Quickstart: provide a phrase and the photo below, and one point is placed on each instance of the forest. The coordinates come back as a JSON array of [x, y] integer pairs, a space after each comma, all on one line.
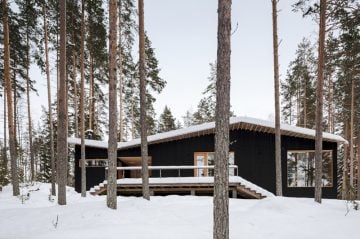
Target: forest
[[103, 77], [38, 21], [34, 39]]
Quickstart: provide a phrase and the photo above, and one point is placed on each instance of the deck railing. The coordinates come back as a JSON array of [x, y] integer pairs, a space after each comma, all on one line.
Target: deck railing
[[178, 168]]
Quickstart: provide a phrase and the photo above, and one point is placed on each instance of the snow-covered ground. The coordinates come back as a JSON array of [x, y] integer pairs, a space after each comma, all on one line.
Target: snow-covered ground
[[170, 217]]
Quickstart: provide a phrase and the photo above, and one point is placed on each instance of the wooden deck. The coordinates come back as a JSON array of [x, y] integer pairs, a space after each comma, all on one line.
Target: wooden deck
[[236, 189]]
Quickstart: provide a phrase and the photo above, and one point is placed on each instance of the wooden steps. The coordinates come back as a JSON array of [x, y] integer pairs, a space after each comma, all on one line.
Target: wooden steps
[[236, 189]]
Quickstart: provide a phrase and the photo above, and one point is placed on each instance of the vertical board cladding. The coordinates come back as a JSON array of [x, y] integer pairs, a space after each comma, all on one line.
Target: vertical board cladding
[[254, 155], [94, 175]]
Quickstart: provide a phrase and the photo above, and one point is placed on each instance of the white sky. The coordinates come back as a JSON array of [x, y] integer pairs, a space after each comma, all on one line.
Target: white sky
[[183, 34]]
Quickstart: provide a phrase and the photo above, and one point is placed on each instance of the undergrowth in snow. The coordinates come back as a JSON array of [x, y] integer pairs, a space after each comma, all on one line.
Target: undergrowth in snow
[[167, 217]]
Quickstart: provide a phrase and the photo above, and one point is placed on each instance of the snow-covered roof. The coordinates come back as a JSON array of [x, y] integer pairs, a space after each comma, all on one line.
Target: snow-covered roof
[[246, 123]]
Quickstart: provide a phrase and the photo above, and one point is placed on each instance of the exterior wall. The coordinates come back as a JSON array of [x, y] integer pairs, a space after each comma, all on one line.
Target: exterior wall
[[254, 155], [94, 175]]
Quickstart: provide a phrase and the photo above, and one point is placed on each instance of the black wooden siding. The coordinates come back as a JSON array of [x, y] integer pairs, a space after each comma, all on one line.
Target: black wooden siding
[[94, 175], [254, 155]]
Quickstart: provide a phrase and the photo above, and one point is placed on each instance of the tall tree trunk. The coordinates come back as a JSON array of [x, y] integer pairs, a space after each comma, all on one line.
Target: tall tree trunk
[[298, 123], [345, 161], [358, 168], [143, 122], [331, 106], [305, 105], [121, 115], [75, 96], [67, 102], [47, 68], [15, 109], [319, 104], [57, 59], [132, 121], [62, 152], [352, 111], [92, 107], [32, 170], [82, 101], [14, 173], [277, 101], [290, 109], [112, 148], [222, 115], [5, 134]]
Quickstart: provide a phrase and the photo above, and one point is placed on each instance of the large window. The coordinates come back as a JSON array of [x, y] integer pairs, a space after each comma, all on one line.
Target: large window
[[301, 168], [208, 159]]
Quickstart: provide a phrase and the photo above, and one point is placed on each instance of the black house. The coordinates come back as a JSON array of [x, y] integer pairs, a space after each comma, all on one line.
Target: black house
[[252, 150]]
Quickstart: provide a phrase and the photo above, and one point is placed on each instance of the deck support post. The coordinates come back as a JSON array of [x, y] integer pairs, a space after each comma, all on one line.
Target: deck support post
[[151, 193], [234, 193], [192, 192]]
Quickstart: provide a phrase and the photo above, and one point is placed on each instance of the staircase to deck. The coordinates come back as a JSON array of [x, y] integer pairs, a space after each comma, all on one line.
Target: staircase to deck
[[238, 187]]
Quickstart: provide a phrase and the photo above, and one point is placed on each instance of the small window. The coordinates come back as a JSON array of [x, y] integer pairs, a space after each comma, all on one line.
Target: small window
[[208, 159], [95, 163], [301, 168]]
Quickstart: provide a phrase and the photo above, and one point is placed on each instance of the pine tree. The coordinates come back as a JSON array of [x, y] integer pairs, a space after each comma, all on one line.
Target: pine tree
[[298, 89], [4, 161], [44, 143], [14, 174], [127, 76], [120, 69], [82, 100], [342, 57], [358, 167], [130, 103], [319, 103], [345, 93], [73, 48], [62, 152], [331, 55], [206, 107], [143, 105], [277, 102], [48, 81], [221, 175], [96, 47], [188, 119], [166, 121], [29, 15], [112, 148]]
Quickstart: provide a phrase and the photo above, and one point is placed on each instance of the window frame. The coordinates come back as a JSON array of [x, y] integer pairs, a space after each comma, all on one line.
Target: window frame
[[310, 151]]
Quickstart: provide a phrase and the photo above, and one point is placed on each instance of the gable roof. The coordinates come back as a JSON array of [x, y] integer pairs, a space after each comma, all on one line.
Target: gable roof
[[245, 123]]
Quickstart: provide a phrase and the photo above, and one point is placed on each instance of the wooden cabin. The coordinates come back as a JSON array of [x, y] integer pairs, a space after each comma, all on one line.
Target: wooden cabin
[[252, 154]]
